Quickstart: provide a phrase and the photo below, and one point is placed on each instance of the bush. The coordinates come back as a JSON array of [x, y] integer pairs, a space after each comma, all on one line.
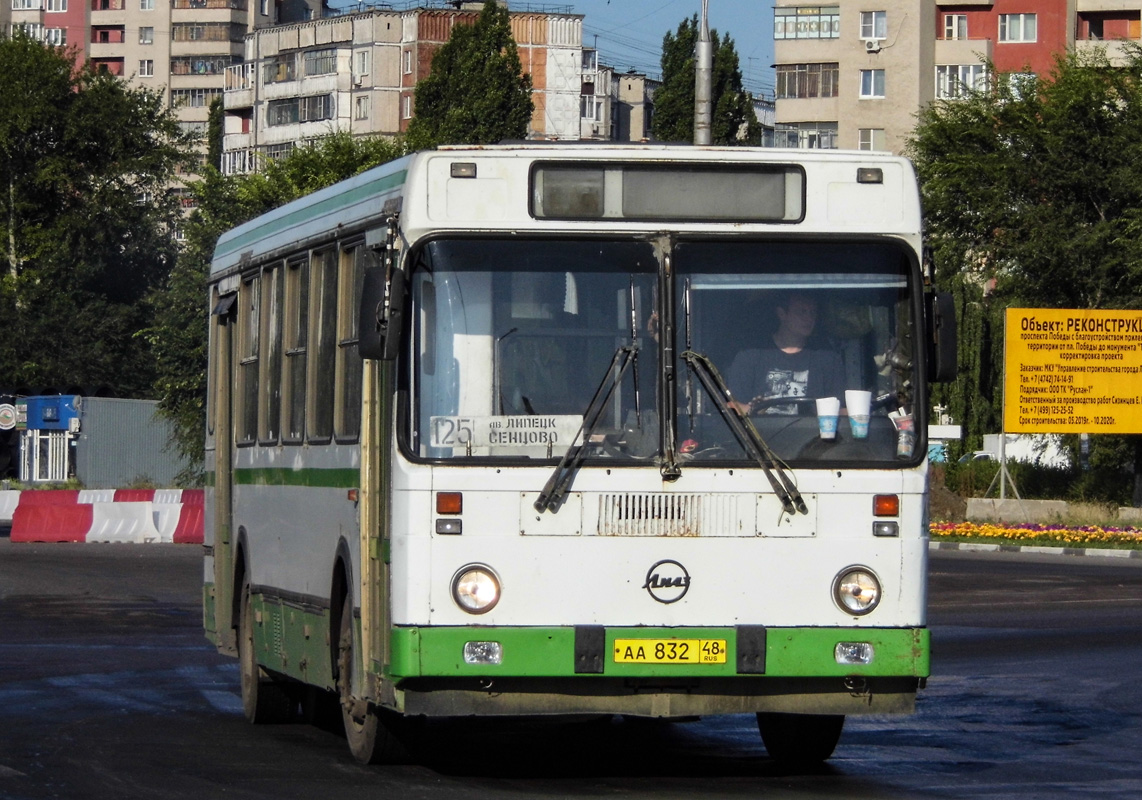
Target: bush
[[1035, 481]]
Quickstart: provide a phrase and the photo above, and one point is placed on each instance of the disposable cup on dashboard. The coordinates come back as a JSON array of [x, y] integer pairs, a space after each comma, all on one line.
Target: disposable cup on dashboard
[[858, 404], [828, 410]]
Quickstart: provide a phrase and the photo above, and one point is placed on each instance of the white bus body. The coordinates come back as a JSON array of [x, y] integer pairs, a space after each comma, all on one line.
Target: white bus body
[[374, 527]]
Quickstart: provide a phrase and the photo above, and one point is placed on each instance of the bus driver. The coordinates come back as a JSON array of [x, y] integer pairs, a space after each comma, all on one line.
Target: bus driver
[[789, 366]]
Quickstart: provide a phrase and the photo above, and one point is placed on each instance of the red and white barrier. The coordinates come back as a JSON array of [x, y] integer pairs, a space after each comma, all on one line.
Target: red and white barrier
[[104, 515]]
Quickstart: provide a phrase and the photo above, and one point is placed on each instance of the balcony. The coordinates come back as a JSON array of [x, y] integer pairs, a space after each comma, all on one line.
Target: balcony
[[1116, 49], [963, 51]]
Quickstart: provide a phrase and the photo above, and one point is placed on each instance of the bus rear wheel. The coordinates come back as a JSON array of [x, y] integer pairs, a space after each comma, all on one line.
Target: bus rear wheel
[[264, 700], [370, 739], [800, 739]]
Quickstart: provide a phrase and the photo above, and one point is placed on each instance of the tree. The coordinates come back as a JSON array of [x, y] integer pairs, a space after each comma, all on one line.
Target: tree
[[476, 92], [87, 166], [178, 339], [733, 120], [1032, 193]]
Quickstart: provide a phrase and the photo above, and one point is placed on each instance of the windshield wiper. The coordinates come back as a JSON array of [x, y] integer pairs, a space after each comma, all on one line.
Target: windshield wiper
[[556, 488], [745, 432]]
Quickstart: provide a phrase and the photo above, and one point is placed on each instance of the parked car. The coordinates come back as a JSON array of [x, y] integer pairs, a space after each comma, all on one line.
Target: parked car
[[978, 455]]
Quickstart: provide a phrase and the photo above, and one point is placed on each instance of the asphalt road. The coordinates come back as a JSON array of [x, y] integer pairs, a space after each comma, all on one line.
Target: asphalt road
[[109, 690]]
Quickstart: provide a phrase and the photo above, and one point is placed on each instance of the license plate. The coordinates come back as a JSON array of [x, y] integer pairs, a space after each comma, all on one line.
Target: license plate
[[670, 651]]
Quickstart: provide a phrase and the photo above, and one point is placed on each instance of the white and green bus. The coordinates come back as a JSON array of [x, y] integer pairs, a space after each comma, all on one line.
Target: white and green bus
[[475, 446]]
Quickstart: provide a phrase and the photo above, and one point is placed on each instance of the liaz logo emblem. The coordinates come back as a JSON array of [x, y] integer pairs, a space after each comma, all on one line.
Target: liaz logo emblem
[[667, 581]]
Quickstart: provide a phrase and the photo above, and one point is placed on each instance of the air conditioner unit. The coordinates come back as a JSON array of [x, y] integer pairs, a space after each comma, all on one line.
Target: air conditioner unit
[[358, 80], [872, 45]]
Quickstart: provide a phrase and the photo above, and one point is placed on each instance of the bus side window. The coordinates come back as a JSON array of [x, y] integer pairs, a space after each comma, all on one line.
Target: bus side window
[[297, 335], [347, 419], [246, 427], [323, 330], [269, 410]]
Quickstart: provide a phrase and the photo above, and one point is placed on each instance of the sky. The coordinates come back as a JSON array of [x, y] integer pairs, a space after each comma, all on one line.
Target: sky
[[628, 33]]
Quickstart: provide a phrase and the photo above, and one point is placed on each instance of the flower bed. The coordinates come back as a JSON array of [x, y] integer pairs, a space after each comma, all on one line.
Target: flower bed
[[1036, 534]]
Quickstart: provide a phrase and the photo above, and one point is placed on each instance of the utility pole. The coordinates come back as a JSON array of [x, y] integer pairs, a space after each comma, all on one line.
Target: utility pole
[[703, 81]]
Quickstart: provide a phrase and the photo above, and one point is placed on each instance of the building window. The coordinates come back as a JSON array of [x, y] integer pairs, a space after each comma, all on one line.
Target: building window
[[55, 36], [955, 26], [299, 109], [872, 83], [53, 5], [200, 65], [361, 107], [807, 80], [264, 8], [27, 5], [1017, 28], [320, 62], [591, 107], [193, 98], [806, 135], [874, 24], [407, 60], [361, 63], [406, 103], [279, 68], [146, 5], [146, 68], [795, 22], [958, 80], [870, 139], [146, 35]]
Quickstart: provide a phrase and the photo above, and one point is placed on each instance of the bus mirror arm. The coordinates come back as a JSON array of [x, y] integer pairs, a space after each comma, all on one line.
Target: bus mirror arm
[[940, 321], [381, 313]]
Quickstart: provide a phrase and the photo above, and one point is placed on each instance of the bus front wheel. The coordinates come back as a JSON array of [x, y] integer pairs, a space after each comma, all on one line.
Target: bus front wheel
[[370, 739], [800, 739], [264, 700]]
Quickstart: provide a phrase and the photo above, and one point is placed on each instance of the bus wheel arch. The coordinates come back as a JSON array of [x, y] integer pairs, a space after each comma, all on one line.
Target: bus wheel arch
[[265, 699]]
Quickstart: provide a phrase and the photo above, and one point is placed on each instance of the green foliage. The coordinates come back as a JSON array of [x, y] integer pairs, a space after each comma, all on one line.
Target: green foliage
[[1032, 194], [476, 92], [86, 168], [178, 340], [733, 120]]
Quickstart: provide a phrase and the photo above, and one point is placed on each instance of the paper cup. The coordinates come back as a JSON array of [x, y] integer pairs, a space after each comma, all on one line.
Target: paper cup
[[828, 410], [858, 403]]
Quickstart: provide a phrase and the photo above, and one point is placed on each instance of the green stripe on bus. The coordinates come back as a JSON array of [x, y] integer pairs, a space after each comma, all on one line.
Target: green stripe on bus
[[550, 652], [382, 184], [314, 478]]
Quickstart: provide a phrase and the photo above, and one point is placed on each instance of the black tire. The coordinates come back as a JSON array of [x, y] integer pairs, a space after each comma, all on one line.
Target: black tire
[[800, 740], [264, 700], [371, 739]]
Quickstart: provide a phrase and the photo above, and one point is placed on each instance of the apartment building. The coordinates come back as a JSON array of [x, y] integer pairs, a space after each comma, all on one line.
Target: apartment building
[[853, 75], [179, 47], [358, 73]]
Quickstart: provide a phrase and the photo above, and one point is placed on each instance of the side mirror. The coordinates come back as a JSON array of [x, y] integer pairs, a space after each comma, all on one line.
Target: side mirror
[[940, 318], [381, 314]]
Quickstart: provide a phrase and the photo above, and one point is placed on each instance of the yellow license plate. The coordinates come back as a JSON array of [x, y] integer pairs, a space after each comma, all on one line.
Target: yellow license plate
[[670, 651]]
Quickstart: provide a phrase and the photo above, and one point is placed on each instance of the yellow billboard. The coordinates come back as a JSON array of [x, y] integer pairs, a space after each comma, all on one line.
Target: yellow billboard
[[1072, 371]]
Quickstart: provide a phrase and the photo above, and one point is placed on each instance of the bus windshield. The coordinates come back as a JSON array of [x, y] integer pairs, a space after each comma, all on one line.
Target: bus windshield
[[512, 339], [785, 323]]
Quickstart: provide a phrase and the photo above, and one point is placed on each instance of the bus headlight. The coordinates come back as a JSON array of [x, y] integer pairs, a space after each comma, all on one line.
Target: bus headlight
[[476, 588], [856, 590]]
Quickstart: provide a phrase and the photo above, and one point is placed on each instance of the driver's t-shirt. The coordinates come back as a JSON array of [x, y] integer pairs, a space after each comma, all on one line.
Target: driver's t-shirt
[[770, 372]]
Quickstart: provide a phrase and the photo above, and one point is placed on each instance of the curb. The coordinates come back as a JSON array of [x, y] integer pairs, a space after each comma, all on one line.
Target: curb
[[1098, 552]]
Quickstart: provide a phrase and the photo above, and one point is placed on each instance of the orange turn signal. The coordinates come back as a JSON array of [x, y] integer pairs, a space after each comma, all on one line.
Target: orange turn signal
[[886, 505], [449, 502]]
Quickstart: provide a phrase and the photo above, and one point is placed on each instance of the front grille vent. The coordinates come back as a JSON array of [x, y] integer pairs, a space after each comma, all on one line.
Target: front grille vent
[[666, 514]]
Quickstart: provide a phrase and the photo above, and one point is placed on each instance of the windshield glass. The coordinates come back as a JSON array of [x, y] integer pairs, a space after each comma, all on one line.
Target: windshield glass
[[511, 340], [787, 323]]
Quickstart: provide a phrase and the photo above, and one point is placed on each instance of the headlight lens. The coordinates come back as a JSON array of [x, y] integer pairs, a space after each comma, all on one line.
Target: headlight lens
[[476, 589], [856, 590]]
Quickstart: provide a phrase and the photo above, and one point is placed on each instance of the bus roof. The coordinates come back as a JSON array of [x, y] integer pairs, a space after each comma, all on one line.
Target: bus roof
[[363, 201]]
